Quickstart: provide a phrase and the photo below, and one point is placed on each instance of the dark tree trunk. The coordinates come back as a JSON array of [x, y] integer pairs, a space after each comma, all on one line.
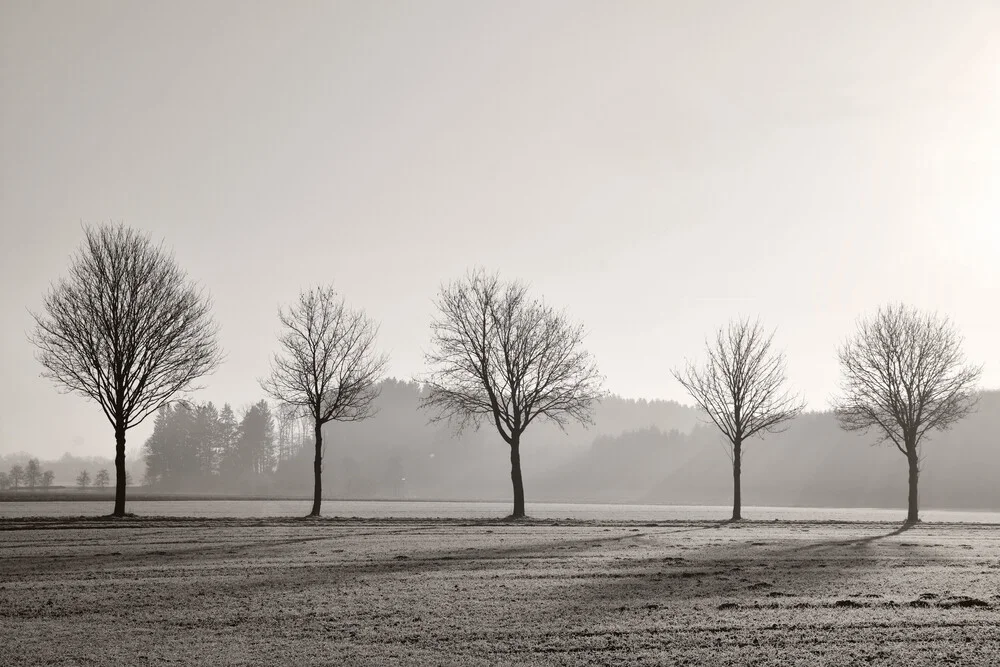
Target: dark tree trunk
[[515, 477], [318, 471], [911, 512], [737, 469], [119, 471]]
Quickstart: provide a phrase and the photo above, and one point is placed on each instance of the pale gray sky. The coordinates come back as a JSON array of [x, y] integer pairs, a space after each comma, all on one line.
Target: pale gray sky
[[655, 167]]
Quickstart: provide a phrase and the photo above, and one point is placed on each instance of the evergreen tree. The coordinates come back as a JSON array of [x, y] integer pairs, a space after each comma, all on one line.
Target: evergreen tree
[[256, 440], [186, 462], [225, 443], [204, 429], [156, 450]]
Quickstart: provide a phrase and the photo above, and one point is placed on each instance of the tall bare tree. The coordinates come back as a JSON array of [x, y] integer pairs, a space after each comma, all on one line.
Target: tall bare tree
[[904, 375], [328, 368], [741, 387], [501, 356], [127, 329]]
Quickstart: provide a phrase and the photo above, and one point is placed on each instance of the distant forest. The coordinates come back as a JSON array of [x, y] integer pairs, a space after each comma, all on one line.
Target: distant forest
[[636, 452]]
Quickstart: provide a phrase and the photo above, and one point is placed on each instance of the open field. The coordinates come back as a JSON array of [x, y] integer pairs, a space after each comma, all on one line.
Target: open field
[[265, 592], [251, 509]]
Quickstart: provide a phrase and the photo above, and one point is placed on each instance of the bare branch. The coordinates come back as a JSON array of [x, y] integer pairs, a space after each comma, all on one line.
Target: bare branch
[[328, 367], [126, 328], [499, 355], [741, 385], [904, 375]]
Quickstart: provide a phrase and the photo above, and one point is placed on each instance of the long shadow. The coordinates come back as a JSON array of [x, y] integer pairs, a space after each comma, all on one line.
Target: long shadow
[[213, 551], [118, 553], [587, 580], [855, 542], [609, 581], [750, 572], [115, 555], [297, 576], [715, 525], [720, 562]]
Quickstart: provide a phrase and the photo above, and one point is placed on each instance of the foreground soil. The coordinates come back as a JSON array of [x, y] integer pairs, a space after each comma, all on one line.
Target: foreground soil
[[329, 592]]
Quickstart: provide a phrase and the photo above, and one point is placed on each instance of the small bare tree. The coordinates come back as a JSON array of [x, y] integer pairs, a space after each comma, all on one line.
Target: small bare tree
[[328, 368], [904, 375], [501, 356], [742, 390], [126, 329], [47, 478]]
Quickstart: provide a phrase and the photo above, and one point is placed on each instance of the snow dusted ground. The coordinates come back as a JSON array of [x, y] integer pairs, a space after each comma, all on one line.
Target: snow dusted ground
[[443, 592]]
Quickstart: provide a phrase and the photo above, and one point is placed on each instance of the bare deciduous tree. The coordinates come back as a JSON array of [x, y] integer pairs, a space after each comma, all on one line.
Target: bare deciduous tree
[[328, 368], [127, 329], [47, 478], [501, 356], [742, 390], [904, 375]]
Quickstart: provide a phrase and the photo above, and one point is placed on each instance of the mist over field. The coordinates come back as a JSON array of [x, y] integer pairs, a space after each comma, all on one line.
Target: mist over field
[[636, 452], [577, 323]]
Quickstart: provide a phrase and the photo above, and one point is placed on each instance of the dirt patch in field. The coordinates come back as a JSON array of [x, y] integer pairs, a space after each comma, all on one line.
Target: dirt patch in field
[[262, 592]]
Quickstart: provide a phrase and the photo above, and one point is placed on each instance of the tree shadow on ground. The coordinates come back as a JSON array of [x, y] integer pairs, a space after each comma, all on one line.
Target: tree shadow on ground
[[672, 562], [602, 570], [744, 572], [853, 542]]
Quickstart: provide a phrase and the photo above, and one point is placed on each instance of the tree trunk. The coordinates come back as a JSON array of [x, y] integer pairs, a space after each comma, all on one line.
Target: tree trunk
[[737, 469], [515, 478], [119, 471], [318, 471], [911, 513]]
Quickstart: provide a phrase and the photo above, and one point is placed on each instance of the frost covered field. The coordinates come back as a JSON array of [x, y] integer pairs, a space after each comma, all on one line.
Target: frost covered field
[[266, 592]]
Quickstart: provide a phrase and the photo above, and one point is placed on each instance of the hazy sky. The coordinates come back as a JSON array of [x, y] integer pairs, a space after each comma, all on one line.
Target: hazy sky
[[655, 167]]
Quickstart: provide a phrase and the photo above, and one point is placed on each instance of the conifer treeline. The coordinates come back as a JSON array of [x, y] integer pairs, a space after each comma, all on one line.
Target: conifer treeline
[[201, 447], [260, 449], [637, 452]]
